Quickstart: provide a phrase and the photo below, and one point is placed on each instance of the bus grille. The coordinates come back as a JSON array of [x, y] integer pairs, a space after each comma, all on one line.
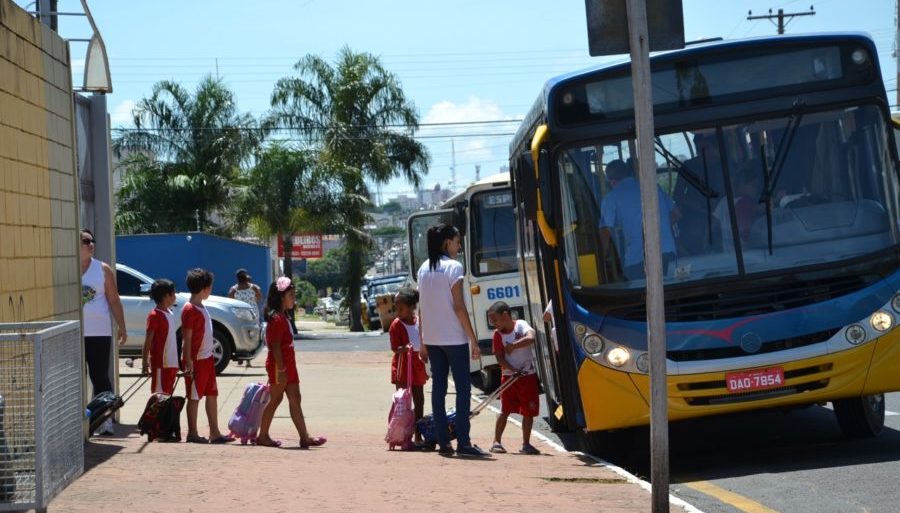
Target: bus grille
[[753, 301], [737, 351], [814, 381]]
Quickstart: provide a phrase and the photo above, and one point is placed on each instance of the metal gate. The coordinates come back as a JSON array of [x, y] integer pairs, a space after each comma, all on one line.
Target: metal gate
[[41, 412]]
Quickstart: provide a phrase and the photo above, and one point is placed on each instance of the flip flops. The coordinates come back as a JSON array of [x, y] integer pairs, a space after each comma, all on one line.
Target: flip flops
[[196, 439], [224, 439], [313, 441]]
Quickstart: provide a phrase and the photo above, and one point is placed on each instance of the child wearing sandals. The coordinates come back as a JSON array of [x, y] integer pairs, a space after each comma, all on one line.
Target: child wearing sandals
[[198, 359], [281, 366], [404, 334]]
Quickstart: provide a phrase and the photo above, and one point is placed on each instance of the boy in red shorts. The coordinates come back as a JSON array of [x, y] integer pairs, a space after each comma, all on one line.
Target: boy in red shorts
[[513, 340], [199, 363], [160, 354]]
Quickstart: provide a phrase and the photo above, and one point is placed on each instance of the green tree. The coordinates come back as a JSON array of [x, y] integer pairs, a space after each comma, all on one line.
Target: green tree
[[306, 293], [392, 208], [196, 141], [356, 113], [332, 271], [285, 193]]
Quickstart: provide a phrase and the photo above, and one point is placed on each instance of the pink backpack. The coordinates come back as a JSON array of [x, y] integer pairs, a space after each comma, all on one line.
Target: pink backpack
[[244, 422], [402, 418]]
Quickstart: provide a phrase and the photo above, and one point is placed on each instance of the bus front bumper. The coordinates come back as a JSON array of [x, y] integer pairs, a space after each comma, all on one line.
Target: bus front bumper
[[612, 399]]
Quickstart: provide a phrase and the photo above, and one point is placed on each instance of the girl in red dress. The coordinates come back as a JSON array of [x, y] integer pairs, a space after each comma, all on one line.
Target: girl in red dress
[[281, 365], [404, 334]]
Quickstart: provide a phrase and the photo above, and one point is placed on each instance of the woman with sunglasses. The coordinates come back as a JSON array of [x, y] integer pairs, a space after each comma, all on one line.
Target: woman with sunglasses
[[101, 305]]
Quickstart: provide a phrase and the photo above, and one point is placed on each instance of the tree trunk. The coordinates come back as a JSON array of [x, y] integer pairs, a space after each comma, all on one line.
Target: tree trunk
[[288, 262], [354, 279]]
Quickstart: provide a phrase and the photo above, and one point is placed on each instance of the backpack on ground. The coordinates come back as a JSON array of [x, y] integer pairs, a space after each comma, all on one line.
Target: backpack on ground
[[402, 418], [162, 418], [244, 422]]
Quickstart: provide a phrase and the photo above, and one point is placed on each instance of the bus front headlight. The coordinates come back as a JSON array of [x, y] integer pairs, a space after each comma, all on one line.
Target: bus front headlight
[[881, 321], [618, 356], [593, 344], [855, 334], [643, 363], [895, 303]]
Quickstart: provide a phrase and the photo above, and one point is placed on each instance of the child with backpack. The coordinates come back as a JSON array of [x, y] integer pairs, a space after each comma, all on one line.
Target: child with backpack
[[404, 335], [160, 353], [513, 342], [281, 366]]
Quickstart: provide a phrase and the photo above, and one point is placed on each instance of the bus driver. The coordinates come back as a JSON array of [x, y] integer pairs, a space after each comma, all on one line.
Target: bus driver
[[621, 210]]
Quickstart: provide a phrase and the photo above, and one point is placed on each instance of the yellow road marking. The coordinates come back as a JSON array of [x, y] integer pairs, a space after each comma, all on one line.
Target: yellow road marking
[[732, 499]]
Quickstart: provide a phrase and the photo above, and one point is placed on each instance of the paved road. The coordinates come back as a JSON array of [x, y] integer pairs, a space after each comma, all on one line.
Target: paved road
[[773, 461]]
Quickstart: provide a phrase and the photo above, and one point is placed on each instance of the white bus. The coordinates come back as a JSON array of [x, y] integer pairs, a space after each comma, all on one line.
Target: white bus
[[483, 213]]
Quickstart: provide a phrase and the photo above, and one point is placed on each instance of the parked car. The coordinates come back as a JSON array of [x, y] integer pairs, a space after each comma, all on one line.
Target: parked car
[[236, 326], [382, 285]]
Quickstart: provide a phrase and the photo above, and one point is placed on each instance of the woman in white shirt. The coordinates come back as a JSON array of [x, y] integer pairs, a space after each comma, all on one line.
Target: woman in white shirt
[[100, 306], [447, 336]]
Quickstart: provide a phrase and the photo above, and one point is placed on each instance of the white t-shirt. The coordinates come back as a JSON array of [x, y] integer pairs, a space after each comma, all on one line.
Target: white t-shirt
[[206, 346], [440, 326], [521, 358], [97, 318]]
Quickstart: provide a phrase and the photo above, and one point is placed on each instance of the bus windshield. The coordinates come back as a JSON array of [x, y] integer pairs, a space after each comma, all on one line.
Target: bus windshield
[[773, 193], [493, 235]]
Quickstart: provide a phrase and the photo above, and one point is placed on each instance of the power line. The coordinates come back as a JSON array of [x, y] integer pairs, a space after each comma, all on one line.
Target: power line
[[323, 128]]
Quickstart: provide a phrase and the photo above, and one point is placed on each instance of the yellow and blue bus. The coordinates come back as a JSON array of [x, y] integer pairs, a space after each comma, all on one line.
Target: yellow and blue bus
[[778, 179]]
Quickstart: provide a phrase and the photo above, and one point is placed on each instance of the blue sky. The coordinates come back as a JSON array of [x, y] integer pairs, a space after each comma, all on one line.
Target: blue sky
[[458, 61]]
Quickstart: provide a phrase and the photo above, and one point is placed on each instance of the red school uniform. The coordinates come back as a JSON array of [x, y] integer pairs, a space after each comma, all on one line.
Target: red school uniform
[[163, 351], [203, 382], [522, 396], [279, 330], [403, 334]]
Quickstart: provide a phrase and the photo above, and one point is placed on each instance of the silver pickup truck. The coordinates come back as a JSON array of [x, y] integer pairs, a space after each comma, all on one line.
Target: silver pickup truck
[[236, 326]]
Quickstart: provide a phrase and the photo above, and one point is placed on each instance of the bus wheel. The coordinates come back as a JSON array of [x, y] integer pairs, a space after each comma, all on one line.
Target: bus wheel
[[860, 417], [490, 379]]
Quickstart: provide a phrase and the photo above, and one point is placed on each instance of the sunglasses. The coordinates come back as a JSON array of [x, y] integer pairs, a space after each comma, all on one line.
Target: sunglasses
[[87, 242]]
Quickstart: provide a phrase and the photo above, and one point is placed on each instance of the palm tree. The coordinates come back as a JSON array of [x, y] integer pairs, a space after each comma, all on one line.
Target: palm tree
[[198, 139], [357, 115], [285, 193]]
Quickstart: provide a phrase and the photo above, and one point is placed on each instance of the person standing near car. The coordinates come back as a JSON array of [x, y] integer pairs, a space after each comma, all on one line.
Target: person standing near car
[[247, 291], [100, 305], [448, 339]]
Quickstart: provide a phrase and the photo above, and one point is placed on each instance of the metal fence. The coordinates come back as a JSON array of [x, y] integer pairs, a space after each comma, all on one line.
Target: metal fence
[[41, 412]]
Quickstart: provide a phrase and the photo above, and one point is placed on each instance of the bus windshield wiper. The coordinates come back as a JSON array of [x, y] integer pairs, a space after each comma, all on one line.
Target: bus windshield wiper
[[689, 176], [781, 153]]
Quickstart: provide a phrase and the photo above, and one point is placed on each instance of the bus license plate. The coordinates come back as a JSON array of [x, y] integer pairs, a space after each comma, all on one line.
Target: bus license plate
[[755, 379]]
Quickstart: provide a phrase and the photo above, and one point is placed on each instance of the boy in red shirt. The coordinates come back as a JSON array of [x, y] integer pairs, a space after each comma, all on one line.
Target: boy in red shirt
[[513, 340], [199, 362], [160, 354]]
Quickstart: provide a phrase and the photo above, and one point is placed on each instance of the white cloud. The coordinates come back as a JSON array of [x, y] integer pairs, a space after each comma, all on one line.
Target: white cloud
[[121, 115], [472, 146]]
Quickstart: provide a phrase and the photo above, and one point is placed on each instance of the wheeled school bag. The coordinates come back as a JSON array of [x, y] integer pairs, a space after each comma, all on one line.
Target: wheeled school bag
[[162, 417], [105, 404], [426, 423], [244, 422], [401, 417]]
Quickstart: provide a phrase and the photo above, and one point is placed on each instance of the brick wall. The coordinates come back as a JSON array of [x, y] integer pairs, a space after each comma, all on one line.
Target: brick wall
[[39, 267]]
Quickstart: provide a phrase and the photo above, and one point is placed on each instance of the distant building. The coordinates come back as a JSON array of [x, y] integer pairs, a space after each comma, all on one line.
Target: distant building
[[434, 197]]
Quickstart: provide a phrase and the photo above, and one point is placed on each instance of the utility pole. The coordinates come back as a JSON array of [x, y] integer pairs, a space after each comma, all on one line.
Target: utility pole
[[477, 172], [639, 42], [780, 16]]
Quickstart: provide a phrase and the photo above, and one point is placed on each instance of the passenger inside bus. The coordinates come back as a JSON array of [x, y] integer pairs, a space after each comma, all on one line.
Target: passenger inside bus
[[748, 185], [695, 229], [621, 211]]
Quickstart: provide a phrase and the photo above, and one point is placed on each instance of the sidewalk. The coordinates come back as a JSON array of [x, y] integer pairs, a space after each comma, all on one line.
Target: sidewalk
[[346, 397]]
